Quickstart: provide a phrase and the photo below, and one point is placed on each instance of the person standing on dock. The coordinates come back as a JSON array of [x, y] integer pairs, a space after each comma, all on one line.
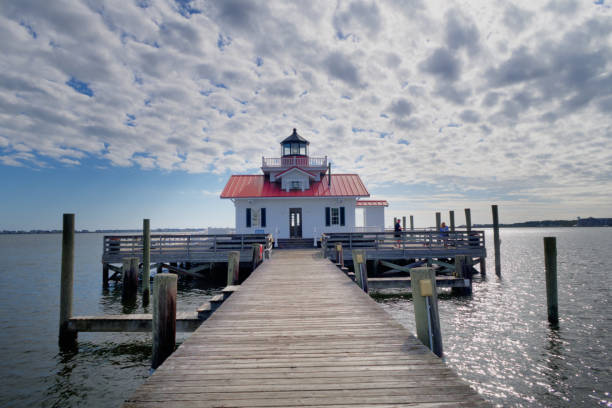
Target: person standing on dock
[[444, 233], [398, 230]]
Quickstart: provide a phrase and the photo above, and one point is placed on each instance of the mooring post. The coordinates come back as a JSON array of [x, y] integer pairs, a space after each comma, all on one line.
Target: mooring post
[[339, 254], [451, 218], [360, 266], [496, 241], [468, 220], [461, 268], [483, 266], [404, 223], [411, 223], [550, 263], [130, 278], [425, 300], [438, 221], [105, 269], [233, 265], [164, 317], [67, 336], [255, 256], [146, 258]]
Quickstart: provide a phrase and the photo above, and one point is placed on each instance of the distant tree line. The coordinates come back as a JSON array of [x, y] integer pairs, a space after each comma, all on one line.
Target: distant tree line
[[580, 222]]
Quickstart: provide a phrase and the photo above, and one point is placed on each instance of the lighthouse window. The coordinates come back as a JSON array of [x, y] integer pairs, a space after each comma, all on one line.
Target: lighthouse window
[[303, 150], [335, 216], [286, 150], [295, 148]]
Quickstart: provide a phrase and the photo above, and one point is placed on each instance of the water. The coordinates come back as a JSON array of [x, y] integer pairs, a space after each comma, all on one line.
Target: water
[[498, 339], [108, 367]]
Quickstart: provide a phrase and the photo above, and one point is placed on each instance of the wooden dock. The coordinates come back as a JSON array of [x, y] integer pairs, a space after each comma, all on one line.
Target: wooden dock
[[409, 244], [299, 332]]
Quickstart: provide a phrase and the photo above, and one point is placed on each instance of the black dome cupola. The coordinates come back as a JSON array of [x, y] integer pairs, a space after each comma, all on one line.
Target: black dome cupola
[[294, 145]]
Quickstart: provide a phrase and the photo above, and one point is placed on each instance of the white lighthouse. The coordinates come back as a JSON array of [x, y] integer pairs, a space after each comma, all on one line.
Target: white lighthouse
[[297, 197]]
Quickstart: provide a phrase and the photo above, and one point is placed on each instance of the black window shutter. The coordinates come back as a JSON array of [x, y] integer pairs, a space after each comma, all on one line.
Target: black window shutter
[[248, 218], [263, 217], [342, 216], [327, 216]]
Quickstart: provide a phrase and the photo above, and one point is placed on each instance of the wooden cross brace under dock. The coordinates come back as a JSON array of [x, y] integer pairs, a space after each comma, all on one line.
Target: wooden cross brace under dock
[[299, 332]]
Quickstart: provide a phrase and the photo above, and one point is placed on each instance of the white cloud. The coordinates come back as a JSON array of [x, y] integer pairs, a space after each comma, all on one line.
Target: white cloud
[[513, 99]]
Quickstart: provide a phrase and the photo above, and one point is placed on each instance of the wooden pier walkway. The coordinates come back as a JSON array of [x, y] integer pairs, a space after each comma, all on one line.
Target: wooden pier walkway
[[299, 332]]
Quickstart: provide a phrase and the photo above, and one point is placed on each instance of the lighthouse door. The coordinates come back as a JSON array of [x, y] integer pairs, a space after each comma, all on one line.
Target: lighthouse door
[[295, 223]]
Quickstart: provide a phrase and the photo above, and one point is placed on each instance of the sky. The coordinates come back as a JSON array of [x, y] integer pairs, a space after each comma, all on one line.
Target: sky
[[130, 109]]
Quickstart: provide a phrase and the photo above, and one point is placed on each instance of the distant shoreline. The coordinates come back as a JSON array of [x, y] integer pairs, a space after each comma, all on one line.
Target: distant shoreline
[[122, 231], [580, 223]]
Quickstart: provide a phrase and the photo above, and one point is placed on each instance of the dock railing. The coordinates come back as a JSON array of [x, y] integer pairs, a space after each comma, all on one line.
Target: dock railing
[[459, 241], [172, 246]]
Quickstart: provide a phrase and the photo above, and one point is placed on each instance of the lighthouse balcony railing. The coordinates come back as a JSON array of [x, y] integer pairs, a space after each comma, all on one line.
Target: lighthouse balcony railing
[[300, 161]]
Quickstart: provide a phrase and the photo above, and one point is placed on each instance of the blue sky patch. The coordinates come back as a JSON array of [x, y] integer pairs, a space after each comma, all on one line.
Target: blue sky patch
[[130, 120], [223, 41], [185, 8], [80, 87], [259, 61], [30, 29], [404, 142]]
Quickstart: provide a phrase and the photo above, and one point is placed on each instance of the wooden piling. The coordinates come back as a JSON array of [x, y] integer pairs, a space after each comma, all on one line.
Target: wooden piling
[[438, 221], [256, 257], [404, 223], [411, 223], [339, 254], [164, 317], [496, 241], [451, 217], [233, 267], [146, 258], [360, 266], [468, 220], [67, 336], [550, 263], [461, 271], [425, 300], [483, 266], [105, 269], [130, 278]]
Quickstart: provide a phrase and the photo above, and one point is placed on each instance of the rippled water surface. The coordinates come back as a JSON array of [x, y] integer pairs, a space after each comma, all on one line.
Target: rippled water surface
[[498, 339], [107, 367]]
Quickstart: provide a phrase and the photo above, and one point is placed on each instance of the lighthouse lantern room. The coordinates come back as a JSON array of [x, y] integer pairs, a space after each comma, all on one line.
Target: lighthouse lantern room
[[297, 196]]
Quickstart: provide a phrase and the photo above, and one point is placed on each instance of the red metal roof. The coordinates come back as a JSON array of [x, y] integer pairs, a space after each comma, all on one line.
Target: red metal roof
[[372, 203], [253, 186]]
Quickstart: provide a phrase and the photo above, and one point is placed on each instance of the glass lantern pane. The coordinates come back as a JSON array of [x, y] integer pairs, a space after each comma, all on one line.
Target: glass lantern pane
[[295, 148], [303, 150]]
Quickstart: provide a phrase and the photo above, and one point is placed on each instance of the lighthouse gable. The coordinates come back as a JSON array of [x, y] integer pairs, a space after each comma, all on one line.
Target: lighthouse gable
[[295, 179]]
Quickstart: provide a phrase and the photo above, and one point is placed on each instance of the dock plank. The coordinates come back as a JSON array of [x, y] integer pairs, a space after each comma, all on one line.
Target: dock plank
[[299, 332]]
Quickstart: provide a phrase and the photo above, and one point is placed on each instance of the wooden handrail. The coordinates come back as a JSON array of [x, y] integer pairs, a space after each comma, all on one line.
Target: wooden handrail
[[132, 245]]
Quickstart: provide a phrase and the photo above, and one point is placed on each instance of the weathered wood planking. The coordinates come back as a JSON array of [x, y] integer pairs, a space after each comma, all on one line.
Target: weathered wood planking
[[299, 332]]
